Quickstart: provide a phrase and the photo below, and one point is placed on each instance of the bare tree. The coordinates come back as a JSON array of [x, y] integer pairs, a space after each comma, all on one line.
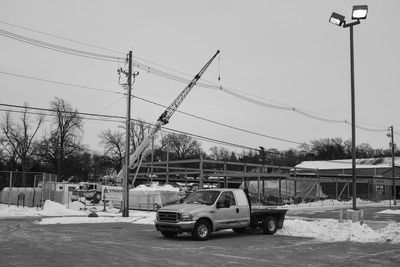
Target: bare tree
[[114, 145], [139, 129], [182, 146], [18, 139], [65, 137], [220, 153], [114, 141]]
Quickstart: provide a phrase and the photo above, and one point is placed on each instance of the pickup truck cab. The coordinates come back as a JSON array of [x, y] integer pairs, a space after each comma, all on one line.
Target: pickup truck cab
[[208, 210]]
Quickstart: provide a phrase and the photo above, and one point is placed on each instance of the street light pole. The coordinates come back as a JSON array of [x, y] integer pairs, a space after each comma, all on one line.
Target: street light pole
[[353, 119], [359, 12], [393, 166]]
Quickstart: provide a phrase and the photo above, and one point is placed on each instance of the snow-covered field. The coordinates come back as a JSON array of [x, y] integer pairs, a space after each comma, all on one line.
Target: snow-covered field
[[325, 230]]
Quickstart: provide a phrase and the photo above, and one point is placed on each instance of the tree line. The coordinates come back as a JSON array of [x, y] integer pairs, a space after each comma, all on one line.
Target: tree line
[[28, 144]]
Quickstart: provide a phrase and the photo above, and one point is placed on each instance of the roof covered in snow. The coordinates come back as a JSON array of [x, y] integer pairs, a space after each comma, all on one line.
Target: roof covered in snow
[[371, 163]]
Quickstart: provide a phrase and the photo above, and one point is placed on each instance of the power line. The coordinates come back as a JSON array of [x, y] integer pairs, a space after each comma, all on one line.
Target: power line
[[222, 124], [60, 83], [309, 114], [61, 37], [59, 48], [203, 138], [154, 103]]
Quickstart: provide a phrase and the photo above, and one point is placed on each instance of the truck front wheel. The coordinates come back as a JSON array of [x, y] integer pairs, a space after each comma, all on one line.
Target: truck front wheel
[[201, 230], [269, 225]]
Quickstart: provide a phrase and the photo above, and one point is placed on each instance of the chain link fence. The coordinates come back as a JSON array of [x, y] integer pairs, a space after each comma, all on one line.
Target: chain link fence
[[27, 188]]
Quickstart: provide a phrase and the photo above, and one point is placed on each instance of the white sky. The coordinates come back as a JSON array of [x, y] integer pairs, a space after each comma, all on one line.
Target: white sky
[[284, 51]]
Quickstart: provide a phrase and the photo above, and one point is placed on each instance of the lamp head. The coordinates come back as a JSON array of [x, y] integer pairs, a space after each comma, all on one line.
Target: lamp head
[[360, 12], [337, 19]]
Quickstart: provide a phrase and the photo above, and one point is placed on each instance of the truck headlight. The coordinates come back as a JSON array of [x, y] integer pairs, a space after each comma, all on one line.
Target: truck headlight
[[186, 216]]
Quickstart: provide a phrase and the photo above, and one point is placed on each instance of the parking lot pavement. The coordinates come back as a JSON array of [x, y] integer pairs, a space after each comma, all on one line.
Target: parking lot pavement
[[23, 243]]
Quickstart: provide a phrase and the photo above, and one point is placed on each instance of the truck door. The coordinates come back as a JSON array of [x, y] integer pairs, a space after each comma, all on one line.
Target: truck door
[[227, 217], [243, 206]]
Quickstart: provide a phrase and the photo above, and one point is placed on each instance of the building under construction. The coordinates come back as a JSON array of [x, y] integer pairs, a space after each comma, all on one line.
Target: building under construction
[[274, 184]]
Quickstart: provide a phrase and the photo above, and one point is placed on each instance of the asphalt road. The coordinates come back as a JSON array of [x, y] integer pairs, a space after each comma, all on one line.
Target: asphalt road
[[23, 243]]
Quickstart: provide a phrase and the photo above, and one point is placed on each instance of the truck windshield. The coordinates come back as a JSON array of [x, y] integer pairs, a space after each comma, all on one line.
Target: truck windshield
[[206, 197]]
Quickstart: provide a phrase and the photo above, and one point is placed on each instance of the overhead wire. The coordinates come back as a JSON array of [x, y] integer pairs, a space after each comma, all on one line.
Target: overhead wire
[[154, 103], [59, 48], [61, 37], [166, 75], [114, 119], [60, 83]]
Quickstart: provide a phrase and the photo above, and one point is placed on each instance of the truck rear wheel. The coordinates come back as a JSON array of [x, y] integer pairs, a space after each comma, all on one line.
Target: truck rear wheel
[[201, 230], [269, 225], [168, 234]]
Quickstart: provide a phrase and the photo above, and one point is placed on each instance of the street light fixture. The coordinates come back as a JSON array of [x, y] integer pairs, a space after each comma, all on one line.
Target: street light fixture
[[337, 19], [359, 12]]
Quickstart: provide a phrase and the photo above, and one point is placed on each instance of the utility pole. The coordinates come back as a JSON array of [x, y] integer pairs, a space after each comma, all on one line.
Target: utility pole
[[125, 181], [125, 197], [392, 144]]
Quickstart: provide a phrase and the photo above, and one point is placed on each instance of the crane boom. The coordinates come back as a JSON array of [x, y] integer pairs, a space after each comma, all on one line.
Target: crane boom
[[164, 119]]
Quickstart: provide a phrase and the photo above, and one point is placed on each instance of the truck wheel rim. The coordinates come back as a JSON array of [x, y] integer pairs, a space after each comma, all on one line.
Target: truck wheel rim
[[271, 225], [202, 231]]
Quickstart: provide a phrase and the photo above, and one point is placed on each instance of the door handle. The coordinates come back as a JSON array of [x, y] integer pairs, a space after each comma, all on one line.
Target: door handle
[[237, 210]]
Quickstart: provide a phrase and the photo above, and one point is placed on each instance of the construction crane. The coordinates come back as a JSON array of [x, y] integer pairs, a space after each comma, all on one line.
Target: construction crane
[[135, 158]]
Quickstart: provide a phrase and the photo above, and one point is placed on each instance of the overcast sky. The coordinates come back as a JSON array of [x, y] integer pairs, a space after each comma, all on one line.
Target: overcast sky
[[281, 52]]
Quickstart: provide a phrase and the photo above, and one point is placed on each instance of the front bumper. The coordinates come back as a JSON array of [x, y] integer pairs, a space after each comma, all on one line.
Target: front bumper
[[179, 227]]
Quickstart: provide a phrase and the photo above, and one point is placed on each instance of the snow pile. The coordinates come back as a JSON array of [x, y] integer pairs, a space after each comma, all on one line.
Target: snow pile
[[392, 232], [51, 208], [14, 211], [76, 205], [390, 212], [328, 203], [155, 187], [137, 217], [330, 230]]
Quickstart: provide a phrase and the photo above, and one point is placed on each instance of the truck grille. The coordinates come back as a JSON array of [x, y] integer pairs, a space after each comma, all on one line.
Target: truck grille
[[168, 216]]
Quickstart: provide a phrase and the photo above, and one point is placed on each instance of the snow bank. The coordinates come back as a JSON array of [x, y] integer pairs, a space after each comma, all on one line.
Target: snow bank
[[51, 208], [330, 203], [14, 211], [330, 230], [147, 219], [390, 211], [154, 187]]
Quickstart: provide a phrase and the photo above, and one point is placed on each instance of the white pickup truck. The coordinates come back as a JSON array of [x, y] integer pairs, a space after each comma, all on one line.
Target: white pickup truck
[[208, 210]]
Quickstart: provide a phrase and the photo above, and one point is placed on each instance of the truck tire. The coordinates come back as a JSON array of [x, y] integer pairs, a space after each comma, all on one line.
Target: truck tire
[[168, 234], [96, 197], [201, 230], [269, 225]]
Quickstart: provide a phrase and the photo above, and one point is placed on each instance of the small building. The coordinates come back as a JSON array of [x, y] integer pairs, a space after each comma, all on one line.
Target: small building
[[374, 177]]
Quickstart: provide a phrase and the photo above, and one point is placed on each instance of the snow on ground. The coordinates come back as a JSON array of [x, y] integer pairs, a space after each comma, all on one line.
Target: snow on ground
[[139, 217], [324, 230], [330, 230], [333, 203], [390, 211]]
